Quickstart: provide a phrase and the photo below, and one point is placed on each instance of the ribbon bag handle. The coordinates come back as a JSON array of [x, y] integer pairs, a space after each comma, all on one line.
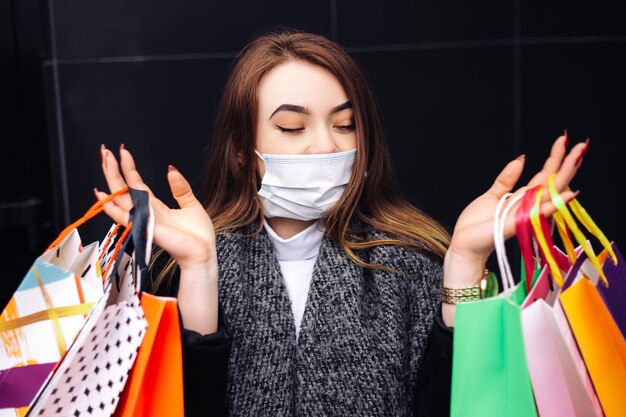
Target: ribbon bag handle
[[558, 202], [582, 215], [93, 211], [523, 232], [140, 229], [541, 231]]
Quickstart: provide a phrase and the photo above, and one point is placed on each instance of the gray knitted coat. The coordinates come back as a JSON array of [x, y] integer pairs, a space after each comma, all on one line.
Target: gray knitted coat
[[362, 337]]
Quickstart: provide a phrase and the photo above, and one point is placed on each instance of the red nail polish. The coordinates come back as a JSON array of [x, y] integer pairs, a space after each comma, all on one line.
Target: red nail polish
[[566, 134], [573, 196], [171, 168], [582, 153]]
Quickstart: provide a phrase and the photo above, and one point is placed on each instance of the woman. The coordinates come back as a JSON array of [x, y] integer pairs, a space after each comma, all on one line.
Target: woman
[[330, 281]]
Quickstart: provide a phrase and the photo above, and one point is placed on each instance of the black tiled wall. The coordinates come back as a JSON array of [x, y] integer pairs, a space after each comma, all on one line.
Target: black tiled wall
[[463, 88]]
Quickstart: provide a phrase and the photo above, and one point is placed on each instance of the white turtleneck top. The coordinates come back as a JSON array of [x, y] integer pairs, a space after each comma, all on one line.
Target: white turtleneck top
[[296, 257]]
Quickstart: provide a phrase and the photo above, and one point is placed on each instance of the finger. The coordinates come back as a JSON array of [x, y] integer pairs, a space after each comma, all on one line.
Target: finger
[[557, 153], [133, 179], [551, 166], [507, 178], [115, 212], [114, 179], [570, 166], [547, 209], [181, 190]]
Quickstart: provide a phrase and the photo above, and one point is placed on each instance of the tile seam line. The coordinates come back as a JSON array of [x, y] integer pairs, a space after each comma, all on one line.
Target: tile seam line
[[357, 49], [58, 120], [141, 58], [486, 43]]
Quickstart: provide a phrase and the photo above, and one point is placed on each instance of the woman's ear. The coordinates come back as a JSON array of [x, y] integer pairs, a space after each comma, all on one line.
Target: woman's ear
[[239, 158]]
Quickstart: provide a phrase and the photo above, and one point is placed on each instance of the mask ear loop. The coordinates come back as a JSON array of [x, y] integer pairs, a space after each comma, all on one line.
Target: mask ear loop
[[259, 155]]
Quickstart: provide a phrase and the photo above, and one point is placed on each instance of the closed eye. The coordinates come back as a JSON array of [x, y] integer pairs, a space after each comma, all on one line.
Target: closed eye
[[290, 130], [346, 128]]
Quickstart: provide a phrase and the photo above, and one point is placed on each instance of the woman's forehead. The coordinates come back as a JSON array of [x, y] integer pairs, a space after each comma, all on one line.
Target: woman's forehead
[[309, 86]]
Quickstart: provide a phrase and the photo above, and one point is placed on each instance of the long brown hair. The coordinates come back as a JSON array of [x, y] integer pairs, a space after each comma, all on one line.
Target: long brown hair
[[230, 189]]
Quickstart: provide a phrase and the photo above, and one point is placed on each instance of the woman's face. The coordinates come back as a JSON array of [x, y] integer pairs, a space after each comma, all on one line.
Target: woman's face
[[303, 109]]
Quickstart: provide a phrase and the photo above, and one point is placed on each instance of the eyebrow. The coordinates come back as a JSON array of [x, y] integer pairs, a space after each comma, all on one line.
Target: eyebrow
[[303, 110]]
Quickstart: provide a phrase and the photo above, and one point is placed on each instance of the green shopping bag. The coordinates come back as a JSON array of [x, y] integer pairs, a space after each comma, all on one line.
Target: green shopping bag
[[489, 370]]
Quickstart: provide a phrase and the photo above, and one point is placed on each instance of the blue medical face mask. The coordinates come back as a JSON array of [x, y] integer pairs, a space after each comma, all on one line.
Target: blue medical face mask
[[304, 187]]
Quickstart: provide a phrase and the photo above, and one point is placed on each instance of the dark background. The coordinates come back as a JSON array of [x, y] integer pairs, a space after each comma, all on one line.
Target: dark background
[[464, 87]]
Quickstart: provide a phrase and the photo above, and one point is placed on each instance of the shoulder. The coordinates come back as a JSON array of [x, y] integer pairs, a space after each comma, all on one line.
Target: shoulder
[[412, 261], [241, 240], [236, 234]]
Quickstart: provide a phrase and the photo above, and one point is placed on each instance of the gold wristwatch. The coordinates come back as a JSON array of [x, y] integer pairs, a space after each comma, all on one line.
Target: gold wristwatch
[[464, 294]]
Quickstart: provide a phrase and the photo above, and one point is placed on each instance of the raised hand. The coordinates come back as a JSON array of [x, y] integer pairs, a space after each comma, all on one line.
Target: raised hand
[[186, 233], [472, 240]]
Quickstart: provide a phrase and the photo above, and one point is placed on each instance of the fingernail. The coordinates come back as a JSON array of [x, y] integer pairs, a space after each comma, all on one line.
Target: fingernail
[[102, 149], [579, 160], [171, 168], [121, 149], [566, 134], [104, 157], [573, 196], [95, 192], [586, 148], [522, 157]]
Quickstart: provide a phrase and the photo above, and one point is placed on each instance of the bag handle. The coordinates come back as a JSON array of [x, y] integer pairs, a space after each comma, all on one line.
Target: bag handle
[[582, 215], [93, 211], [523, 232], [498, 237], [558, 202], [541, 231], [140, 229], [118, 247]]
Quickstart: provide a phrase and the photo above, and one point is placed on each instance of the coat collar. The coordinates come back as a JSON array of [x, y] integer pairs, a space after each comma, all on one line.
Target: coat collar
[[256, 256]]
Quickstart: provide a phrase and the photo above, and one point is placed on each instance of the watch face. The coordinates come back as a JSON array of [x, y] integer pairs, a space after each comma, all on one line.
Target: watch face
[[489, 285]]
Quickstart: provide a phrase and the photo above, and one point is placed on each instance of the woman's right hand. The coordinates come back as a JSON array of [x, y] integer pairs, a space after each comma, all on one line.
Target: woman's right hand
[[185, 233]]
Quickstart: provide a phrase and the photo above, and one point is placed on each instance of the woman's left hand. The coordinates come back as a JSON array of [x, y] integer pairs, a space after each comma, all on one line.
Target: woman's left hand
[[472, 240]]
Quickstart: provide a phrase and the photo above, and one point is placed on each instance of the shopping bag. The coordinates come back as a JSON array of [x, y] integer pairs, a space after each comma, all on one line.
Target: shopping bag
[[46, 312], [601, 343], [614, 295], [560, 382], [552, 354], [155, 385], [89, 379], [489, 370], [596, 333]]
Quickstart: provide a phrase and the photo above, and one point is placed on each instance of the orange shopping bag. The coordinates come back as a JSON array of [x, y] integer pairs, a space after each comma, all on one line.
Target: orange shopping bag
[[601, 343], [599, 339], [155, 385]]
